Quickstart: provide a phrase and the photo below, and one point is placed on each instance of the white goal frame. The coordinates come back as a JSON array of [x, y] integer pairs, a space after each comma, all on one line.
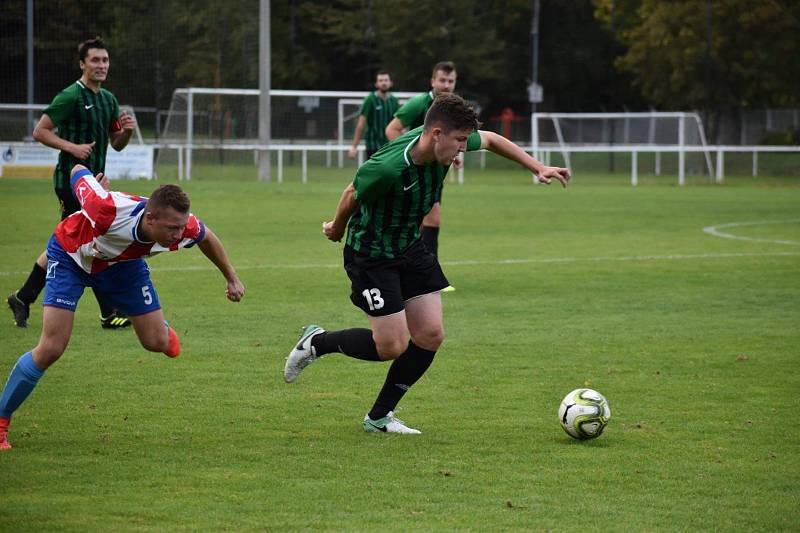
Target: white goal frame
[[680, 147]]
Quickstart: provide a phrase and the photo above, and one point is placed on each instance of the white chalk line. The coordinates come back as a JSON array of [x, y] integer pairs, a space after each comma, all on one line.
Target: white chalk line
[[541, 260], [715, 231]]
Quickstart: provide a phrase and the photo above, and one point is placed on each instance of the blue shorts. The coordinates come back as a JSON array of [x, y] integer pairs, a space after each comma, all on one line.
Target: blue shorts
[[125, 285]]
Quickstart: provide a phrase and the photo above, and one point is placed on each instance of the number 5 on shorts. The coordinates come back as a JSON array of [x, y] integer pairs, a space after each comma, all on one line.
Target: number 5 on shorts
[[148, 298], [373, 297]]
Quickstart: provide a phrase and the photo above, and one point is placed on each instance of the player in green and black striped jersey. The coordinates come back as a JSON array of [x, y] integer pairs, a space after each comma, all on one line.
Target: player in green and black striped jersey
[[376, 112], [411, 115], [395, 279], [87, 118]]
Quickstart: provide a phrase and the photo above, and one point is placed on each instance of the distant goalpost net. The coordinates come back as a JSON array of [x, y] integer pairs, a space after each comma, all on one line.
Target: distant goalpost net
[[633, 133], [208, 123]]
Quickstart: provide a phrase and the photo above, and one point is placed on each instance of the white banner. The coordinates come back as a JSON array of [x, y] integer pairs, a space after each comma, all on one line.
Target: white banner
[[133, 162]]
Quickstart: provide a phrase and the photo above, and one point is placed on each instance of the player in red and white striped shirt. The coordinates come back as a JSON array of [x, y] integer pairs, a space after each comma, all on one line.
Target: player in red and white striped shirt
[[102, 246]]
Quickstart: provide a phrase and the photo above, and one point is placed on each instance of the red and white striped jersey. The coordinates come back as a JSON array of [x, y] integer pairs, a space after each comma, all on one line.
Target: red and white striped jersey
[[104, 231]]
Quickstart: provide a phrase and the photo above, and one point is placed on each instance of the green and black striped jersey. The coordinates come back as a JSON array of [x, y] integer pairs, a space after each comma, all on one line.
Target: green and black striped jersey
[[82, 116], [393, 195], [412, 113], [379, 113]]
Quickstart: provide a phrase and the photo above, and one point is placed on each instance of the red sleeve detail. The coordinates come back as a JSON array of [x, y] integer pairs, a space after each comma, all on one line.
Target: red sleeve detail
[[96, 202], [192, 230], [115, 126]]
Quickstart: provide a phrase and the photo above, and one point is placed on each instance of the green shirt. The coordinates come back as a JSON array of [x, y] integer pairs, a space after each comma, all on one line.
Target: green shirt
[[82, 116], [412, 114], [378, 113], [393, 195]]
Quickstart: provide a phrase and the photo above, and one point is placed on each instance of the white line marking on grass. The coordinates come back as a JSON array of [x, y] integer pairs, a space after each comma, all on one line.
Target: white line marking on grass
[[714, 230], [542, 260]]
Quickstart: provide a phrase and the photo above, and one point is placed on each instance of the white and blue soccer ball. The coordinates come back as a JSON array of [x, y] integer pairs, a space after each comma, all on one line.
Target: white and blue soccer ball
[[584, 414]]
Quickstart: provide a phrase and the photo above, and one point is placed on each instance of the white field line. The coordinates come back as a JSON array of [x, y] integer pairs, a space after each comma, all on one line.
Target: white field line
[[543, 260], [715, 231]]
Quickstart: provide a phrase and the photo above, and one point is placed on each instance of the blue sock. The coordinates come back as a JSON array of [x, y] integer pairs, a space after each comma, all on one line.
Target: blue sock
[[24, 377]]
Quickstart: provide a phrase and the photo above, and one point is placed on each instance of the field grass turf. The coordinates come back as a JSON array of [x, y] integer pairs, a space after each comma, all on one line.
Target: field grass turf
[[694, 339]]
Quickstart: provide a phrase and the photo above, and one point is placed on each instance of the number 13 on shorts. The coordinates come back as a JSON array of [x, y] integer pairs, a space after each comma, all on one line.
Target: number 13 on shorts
[[373, 297]]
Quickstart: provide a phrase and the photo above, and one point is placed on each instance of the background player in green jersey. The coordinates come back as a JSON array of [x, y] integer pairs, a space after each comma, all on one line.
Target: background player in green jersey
[[412, 115], [87, 118], [377, 110], [395, 279]]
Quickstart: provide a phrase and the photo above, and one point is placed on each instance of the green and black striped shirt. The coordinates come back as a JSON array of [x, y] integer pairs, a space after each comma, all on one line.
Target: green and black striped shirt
[[394, 195], [379, 113], [412, 113], [82, 116]]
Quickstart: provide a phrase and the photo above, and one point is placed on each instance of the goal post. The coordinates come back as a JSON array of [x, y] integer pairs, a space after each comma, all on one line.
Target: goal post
[[634, 133]]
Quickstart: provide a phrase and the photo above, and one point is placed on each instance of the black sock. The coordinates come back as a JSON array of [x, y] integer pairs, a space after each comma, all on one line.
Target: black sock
[[354, 342], [404, 372], [430, 238], [106, 309], [33, 285]]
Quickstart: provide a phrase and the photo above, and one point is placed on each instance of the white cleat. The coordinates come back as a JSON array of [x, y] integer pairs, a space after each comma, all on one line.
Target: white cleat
[[388, 424], [301, 355]]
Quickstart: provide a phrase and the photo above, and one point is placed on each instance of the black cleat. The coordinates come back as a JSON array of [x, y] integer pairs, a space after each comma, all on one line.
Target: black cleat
[[114, 321], [20, 309]]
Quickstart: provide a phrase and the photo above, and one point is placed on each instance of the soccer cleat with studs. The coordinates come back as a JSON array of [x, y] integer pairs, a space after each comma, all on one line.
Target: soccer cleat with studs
[[20, 309], [302, 355], [114, 321], [388, 424]]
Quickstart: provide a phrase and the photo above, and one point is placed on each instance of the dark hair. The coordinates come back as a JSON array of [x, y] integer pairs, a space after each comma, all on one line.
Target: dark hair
[[451, 112], [382, 73], [445, 66], [84, 47], [168, 196]]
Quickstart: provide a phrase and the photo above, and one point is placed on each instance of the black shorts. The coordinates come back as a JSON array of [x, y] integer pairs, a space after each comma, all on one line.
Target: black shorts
[[69, 204], [381, 286]]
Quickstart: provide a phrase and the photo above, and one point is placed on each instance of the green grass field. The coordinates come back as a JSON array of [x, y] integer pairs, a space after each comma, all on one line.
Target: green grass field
[[693, 338]]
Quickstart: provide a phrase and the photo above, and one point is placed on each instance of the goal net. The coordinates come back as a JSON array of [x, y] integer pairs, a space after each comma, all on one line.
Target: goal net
[[652, 132], [220, 126]]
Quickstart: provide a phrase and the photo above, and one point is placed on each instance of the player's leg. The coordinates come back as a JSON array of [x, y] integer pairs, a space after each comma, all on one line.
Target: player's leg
[[424, 318], [128, 287], [20, 301], [155, 334], [64, 287]]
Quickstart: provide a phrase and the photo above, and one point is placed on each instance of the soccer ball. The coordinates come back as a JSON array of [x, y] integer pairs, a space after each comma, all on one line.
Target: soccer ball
[[584, 414]]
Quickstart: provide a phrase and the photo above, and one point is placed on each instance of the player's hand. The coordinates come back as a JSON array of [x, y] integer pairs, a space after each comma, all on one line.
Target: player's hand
[[352, 153], [332, 232], [235, 290], [82, 151], [549, 173], [458, 162], [102, 179], [126, 121]]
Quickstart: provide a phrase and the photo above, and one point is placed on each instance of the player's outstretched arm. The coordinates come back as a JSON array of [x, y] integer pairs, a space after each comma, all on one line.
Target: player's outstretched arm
[[334, 230], [501, 146], [212, 248]]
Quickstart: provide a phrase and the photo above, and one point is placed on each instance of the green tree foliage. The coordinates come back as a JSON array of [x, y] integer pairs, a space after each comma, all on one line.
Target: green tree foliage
[[715, 55]]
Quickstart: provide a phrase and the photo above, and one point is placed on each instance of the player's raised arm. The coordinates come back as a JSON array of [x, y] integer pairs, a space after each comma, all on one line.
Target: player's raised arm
[[500, 145], [212, 248], [122, 131]]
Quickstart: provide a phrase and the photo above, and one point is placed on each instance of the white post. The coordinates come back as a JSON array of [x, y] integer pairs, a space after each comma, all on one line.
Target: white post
[[720, 166], [461, 172], [360, 156], [328, 155], [305, 166], [180, 163], [634, 169], [755, 164], [264, 86], [280, 165], [658, 163], [483, 159], [189, 133], [682, 153]]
